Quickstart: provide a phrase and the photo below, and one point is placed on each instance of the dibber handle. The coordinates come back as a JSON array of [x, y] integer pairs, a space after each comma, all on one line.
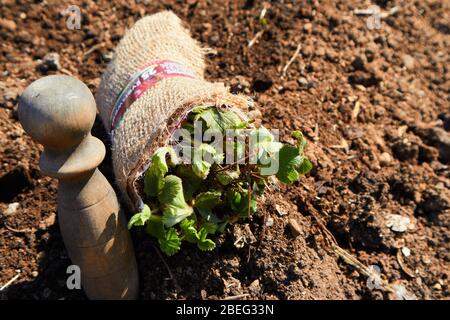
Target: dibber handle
[[59, 112]]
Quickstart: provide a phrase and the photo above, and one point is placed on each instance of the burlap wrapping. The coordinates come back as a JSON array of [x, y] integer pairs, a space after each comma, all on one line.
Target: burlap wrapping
[[147, 122]]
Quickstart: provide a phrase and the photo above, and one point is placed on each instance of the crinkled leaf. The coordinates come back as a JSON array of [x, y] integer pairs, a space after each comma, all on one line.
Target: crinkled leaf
[[210, 227], [305, 167], [140, 218], [227, 176], [171, 243], [218, 158], [154, 176], [288, 161], [189, 231], [221, 226], [201, 168], [222, 120], [264, 143], [155, 227], [246, 209], [191, 182], [171, 197], [301, 141], [199, 165], [234, 200], [204, 243], [199, 109], [291, 164], [204, 147], [208, 200]]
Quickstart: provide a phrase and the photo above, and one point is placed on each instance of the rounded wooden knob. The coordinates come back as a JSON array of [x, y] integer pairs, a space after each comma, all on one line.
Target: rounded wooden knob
[[58, 111]]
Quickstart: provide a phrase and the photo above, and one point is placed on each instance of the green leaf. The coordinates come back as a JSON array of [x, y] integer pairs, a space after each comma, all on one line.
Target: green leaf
[[201, 168], [227, 176], [199, 165], [191, 182], [301, 141], [171, 197], [204, 243], [222, 120], [210, 227], [238, 202], [199, 109], [154, 176], [289, 159], [291, 164], [153, 180], [155, 227], [204, 147], [221, 226], [208, 200], [209, 216], [264, 143], [205, 202], [305, 167], [171, 243], [218, 158], [259, 187], [234, 200], [140, 218], [244, 210], [190, 234]]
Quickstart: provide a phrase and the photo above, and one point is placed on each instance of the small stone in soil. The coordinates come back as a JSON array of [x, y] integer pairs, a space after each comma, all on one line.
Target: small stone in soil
[[398, 223], [385, 159], [408, 61], [406, 251], [280, 210], [302, 81], [254, 287], [8, 24], [295, 227], [11, 209]]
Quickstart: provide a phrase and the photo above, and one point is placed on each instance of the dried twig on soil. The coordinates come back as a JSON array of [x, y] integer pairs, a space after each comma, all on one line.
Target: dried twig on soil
[[6, 285], [255, 38], [65, 71], [291, 60], [236, 297], [356, 110], [17, 230], [402, 264], [344, 145], [93, 48]]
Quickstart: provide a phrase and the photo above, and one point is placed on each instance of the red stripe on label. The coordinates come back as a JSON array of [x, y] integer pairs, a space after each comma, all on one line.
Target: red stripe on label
[[142, 80]]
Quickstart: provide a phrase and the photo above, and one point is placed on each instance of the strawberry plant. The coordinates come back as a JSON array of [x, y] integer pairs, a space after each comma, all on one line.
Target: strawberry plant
[[193, 189]]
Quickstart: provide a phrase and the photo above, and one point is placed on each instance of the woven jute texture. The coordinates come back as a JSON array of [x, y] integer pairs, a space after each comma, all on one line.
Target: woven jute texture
[[146, 123]]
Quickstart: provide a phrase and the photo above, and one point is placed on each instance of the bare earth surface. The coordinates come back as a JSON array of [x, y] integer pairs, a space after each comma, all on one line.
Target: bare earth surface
[[373, 103]]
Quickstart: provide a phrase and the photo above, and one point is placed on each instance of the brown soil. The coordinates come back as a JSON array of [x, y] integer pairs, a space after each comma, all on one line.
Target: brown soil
[[374, 105]]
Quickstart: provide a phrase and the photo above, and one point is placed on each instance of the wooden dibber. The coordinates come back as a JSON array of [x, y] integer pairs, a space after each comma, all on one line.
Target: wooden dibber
[[59, 112]]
